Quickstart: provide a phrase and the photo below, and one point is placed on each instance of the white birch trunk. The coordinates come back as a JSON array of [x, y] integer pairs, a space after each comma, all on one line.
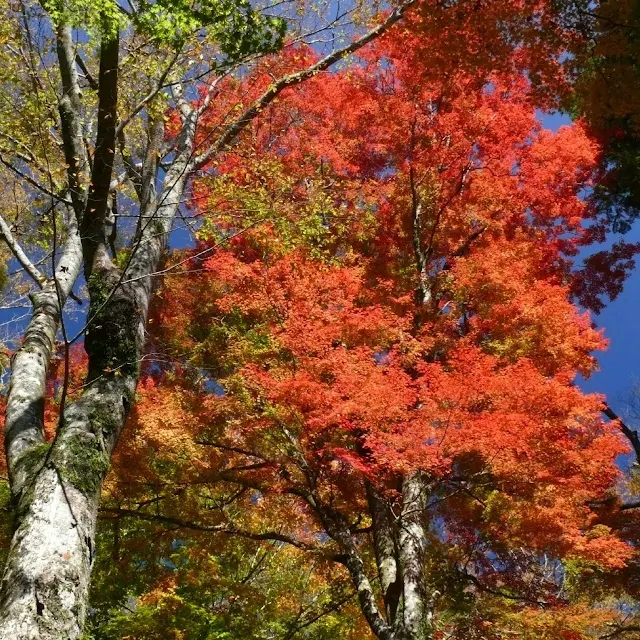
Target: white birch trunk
[[411, 545], [45, 586]]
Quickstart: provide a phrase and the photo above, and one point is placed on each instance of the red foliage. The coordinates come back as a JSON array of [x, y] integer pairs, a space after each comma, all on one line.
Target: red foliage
[[478, 381]]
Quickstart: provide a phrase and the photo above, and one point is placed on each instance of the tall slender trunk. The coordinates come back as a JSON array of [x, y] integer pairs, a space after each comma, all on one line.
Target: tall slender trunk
[[411, 542], [35, 557], [44, 590], [337, 528], [385, 547]]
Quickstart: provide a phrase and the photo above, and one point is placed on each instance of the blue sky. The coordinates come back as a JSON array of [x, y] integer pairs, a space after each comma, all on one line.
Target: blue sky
[[620, 364]]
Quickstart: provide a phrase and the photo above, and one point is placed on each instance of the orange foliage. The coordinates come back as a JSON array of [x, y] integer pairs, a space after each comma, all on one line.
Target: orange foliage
[[382, 285]]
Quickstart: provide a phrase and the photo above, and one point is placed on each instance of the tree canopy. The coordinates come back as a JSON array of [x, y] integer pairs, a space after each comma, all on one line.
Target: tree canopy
[[339, 280]]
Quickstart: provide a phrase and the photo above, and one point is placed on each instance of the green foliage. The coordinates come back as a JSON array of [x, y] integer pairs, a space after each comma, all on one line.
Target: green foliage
[[583, 580], [6, 518], [103, 18], [284, 211], [201, 588], [233, 24]]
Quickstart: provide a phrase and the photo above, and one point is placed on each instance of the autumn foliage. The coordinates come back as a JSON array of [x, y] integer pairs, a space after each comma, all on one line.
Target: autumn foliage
[[386, 287], [382, 287]]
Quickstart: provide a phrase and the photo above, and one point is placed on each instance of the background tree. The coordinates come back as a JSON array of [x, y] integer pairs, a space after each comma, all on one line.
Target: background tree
[[604, 68]]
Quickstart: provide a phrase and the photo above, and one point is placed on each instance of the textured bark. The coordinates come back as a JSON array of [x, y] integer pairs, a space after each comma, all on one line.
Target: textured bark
[[19, 254], [45, 586], [385, 549], [45, 583], [94, 244], [399, 545], [366, 597], [70, 107], [24, 417], [411, 541]]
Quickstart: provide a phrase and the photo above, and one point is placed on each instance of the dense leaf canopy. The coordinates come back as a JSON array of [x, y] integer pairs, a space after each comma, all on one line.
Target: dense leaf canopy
[[338, 313]]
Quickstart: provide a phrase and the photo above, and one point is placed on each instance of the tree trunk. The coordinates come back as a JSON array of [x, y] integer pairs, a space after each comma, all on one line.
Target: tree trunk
[[411, 543], [44, 590], [46, 579], [45, 586], [24, 416], [384, 541]]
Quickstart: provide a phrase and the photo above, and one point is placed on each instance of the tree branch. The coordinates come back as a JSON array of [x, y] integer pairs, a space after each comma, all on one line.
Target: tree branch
[[620, 631], [225, 529], [87, 74], [502, 594], [232, 131], [70, 108], [19, 254], [224, 447], [463, 249], [34, 183], [149, 97], [338, 529], [631, 435], [92, 224], [332, 606], [24, 416]]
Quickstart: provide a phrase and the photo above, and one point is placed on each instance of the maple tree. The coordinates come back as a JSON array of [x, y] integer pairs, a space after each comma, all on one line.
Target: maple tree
[[374, 349], [372, 343]]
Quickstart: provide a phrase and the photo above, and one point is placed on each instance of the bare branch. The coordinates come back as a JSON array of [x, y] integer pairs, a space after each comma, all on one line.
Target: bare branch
[[619, 631], [498, 592], [225, 529], [224, 447], [631, 435], [70, 108], [87, 74], [463, 249], [34, 183], [19, 254]]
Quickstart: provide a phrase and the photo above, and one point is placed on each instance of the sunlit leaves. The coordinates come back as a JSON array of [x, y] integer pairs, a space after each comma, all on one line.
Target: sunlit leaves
[[239, 30]]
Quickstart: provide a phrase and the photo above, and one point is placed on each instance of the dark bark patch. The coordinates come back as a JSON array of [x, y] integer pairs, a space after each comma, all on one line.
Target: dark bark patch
[[111, 340]]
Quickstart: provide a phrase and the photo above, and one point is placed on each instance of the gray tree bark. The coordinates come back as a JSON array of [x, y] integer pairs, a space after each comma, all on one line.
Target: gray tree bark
[[386, 551], [411, 541]]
